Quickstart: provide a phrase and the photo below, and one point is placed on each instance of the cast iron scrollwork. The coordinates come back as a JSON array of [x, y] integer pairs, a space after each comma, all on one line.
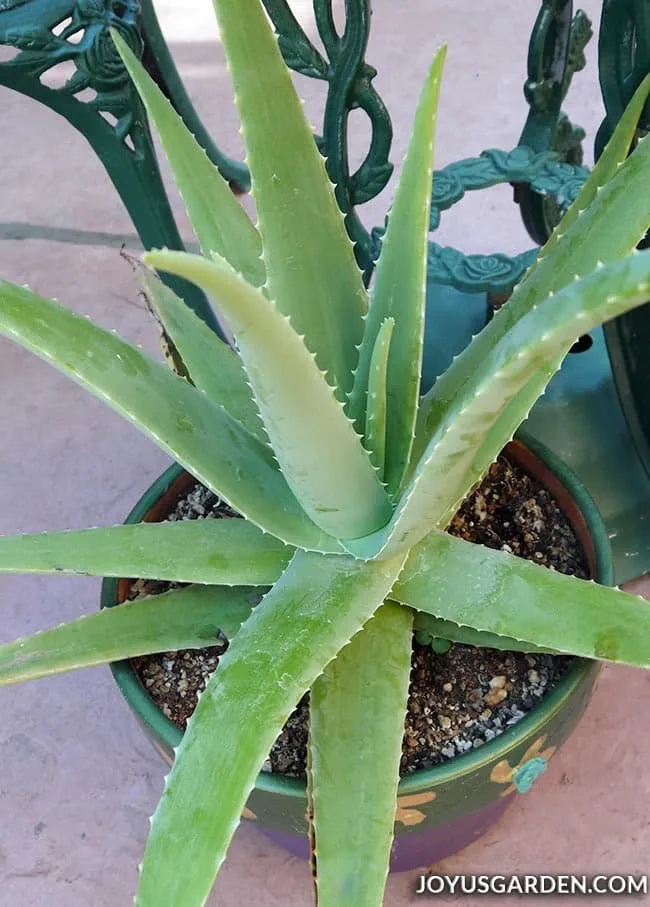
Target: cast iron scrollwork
[[47, 33], [496, 273], [555, 54], [349, 80]]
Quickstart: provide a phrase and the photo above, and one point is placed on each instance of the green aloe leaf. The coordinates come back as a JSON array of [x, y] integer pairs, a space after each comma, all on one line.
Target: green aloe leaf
[[219, 221], [318, 604], [609, 162], [375, 434], [428, 628], [312, 273], [607, 165], [303, 419], [213, 367], [214, 551], [179, 418], [458, 455], [400, 289], [182, 619], [522, 402], [499, 593], [581, 240], [357, 716]]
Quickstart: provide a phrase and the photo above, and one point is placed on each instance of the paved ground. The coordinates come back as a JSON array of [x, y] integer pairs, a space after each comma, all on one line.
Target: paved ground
[[77, 780]]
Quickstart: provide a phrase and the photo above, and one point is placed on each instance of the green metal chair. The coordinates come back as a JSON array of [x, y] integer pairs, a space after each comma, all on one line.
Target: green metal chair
[[594, 414]]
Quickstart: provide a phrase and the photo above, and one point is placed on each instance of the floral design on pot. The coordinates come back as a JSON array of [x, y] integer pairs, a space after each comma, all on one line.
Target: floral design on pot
[[406, 813], [522, 776]]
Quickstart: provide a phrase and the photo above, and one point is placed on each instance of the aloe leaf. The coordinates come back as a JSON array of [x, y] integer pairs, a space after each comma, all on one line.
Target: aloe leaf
[[400, 289], [179, 419], [219, 221], [607, 165], [375, 433], [318, 604], [357, 711], [457, 455], [499, 593], [213, 367], [575, 249], [303, 419], [609, 162], [215, 551], [311, 269], [428, 628], [182, 619]]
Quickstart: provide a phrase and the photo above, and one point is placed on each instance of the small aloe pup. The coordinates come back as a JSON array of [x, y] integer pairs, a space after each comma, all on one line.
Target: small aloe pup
[[312, 428]]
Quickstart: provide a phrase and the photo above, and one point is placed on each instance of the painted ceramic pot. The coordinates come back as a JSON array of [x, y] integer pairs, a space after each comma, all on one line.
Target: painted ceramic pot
[[443, 809]]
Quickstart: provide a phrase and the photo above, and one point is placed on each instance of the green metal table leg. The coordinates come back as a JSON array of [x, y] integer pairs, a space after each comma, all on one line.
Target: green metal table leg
[[624, 60]]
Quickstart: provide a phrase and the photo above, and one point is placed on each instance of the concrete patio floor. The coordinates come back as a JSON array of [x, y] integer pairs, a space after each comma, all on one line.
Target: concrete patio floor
[[78, 781]]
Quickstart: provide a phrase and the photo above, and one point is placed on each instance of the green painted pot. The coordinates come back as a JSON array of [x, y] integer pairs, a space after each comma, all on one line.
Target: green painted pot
[[442, 809]]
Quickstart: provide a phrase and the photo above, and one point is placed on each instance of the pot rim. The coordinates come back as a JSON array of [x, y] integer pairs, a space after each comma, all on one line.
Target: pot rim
[[592, 526]]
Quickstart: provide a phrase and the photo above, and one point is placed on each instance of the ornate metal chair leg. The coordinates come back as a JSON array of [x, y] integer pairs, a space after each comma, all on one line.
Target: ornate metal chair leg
[[98, 100]]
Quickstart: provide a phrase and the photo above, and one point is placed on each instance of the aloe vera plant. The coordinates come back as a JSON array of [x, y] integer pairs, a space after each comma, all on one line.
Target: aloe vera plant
[[313, 429]]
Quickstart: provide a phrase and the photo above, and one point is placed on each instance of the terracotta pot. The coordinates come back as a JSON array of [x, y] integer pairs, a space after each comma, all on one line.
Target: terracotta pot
[[443, 809]]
